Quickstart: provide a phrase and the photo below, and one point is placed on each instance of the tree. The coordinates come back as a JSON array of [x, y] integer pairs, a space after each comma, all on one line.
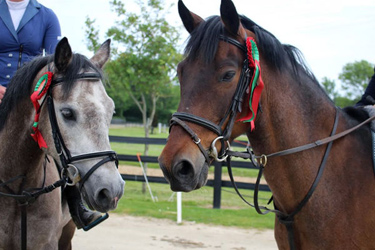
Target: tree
[[92, 35], [330, 88], [355, 77], [144, 56], [146, 65]]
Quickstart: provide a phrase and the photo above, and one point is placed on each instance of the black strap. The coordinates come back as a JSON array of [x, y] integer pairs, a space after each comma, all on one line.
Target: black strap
[[60, 146], [23, 226], [322, 141], [197, 120], [233, 41], [97, 165], [256, 205], [193, 135], [289, 219], [87, 75], [289, 224], [5, 184], [247, 155], [95, 155]]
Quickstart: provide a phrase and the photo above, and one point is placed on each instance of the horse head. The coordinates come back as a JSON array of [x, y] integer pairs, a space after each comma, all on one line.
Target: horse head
[[208, 81], [75, 122], [228, 57]]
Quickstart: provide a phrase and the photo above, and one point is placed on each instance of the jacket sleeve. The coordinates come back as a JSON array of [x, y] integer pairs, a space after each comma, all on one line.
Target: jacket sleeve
[[52, 33]]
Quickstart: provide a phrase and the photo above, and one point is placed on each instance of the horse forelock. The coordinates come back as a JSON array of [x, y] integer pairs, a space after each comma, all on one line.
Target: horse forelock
[[203, 41], [20, 86], [79, 64]]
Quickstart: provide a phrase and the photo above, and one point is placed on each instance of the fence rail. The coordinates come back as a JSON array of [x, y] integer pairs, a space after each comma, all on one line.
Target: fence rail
[[217, 183]]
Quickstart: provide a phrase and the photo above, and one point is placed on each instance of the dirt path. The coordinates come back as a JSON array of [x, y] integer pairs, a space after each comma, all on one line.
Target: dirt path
[[126, 232]]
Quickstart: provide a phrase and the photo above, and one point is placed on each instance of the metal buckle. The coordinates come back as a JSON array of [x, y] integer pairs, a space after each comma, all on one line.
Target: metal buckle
[[214, 153], [198, 141], [72, 174]]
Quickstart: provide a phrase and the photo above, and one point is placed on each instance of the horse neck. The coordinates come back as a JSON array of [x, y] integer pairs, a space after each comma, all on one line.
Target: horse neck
[[19, 154], [293, 114]]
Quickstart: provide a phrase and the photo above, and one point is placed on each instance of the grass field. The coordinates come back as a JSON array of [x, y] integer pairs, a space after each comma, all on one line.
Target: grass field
[[196, 205]]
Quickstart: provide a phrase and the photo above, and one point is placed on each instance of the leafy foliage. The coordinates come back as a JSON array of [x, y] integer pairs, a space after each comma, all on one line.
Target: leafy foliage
[[144, 59], [355, 78]]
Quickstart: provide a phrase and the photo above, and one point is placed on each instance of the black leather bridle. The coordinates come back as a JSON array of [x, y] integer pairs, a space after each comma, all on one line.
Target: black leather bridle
[[179, 118], [66, 159]]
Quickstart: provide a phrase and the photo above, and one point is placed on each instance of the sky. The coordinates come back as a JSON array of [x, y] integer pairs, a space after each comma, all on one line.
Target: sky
[[329, 33]]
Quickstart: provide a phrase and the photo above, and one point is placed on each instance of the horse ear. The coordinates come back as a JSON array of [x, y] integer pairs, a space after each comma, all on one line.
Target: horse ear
[[101, 56], [189, 19], [63, 55], [229, 16]]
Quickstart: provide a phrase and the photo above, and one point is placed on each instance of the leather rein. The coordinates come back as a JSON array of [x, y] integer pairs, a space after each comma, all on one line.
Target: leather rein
[[180, 118], [68, 172]]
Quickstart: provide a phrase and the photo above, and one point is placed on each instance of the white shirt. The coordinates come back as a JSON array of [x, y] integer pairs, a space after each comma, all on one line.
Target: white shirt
[[17, 9]]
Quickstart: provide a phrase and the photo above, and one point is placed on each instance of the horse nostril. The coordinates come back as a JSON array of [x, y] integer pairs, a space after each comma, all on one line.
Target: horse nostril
[[104, 196], [184, 169]]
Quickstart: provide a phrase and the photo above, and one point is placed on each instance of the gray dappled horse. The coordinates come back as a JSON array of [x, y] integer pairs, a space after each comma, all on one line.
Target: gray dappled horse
[[74, 114]]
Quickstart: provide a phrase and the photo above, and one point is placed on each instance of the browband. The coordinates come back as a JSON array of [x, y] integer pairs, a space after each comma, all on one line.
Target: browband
[[233, 41], [89, 75]]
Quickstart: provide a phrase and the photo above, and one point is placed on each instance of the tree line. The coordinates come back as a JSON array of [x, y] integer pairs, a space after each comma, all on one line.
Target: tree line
[[354, 78], [142, 72]]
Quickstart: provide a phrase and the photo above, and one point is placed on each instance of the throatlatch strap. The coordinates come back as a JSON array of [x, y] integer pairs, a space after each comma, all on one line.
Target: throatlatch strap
[[256, 84]]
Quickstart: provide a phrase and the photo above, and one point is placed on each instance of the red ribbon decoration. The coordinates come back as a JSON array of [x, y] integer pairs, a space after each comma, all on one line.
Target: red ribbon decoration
[[256, 84], [40, 90]]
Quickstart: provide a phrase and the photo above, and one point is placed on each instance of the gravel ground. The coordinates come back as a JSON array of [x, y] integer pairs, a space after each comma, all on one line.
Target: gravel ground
[[127, 232]]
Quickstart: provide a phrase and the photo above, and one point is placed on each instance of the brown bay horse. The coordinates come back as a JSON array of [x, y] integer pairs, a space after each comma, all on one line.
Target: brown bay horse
[[69, 117], [339, 212]]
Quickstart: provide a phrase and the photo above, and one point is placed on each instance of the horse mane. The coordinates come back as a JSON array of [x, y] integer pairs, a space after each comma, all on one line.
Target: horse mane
[[20, 86], [204, 40]]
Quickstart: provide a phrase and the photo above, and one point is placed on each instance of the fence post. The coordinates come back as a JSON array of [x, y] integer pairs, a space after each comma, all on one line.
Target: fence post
[[217, 184]]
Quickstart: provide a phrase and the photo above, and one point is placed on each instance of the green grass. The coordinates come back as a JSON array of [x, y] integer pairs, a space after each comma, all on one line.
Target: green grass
[[134, 132], [196, 205]]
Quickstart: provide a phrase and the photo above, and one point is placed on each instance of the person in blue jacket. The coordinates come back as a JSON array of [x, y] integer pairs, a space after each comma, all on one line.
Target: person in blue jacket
[[29, 29], [26, 28]]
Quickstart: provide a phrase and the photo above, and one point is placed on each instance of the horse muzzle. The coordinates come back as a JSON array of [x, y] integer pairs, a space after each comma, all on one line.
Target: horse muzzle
[[185, 175]]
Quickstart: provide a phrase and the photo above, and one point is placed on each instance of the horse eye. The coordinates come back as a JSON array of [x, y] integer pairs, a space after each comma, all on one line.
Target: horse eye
[[228, 76], [68, 114]]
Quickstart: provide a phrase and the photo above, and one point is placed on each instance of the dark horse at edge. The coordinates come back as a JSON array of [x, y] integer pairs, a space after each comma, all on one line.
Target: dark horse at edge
[[295, 111]]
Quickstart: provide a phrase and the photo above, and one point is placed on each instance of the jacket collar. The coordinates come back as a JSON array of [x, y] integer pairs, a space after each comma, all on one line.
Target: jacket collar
[[31, 10]]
